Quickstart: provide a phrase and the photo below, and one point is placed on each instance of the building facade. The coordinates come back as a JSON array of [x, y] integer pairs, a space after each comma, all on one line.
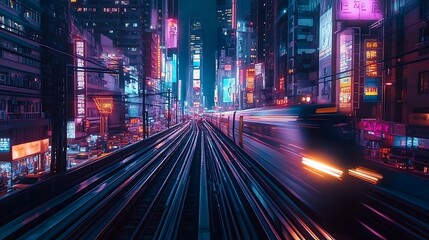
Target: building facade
[[196, 68], [25, 127]]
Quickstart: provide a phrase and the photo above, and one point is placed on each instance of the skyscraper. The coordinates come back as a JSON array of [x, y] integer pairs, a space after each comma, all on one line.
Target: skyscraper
[[25, 69], [121, 21], [195, 94]]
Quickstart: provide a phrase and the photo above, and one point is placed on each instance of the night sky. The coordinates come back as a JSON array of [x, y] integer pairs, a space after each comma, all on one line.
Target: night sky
[[206, 10]]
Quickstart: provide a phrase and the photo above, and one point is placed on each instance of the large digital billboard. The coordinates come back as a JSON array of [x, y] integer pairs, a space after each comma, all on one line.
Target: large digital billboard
[[325, 33], [359, 10], [171, 33], [325, 58], [227, 89]]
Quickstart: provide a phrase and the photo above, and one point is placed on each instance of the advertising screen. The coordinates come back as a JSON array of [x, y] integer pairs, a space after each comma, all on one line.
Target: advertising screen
[[345, 66], [4, 144], [196, 85], [168, 71], [132, 87], [196, 74], [250, 98], [174, 68], [325, 58], [227, 89], [250, 79], [359, 10], [372, 79], [371, 90], [171, 33], [196, 60], [325, 33]]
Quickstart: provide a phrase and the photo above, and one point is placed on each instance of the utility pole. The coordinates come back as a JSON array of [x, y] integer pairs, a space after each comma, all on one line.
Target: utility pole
[[176, 109], [144, 116], [169, 107]]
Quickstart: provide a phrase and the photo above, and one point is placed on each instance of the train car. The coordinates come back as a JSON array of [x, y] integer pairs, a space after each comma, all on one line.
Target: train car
[[319, 132]]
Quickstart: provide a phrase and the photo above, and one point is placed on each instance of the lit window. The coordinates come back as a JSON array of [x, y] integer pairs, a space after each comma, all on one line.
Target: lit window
[[423, 84], [135, 24]]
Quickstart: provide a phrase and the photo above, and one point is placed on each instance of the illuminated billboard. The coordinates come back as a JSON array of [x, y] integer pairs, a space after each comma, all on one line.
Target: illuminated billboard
[[196, 74], [196, 60], [174, 68], [372, 90], [372, 79], [171, 35], [132, 87], [359, 10], [325, 57], [29, 148], [325, 33], [168, 71], [4, 144], [250, 98], [250, 79], [197, 85], [345, 66], [80, 78], [179, 89], [227, 89]]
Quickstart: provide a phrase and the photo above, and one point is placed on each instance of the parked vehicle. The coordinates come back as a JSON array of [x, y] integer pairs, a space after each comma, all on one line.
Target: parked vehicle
[[82, 156]]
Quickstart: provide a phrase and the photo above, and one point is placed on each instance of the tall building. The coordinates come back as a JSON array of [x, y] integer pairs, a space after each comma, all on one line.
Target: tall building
[[246, 57], [280, 51], [25, 129], [302, 49], [55, 72], [225, 57], [404, 85], [265, 28], [122, 21], [195, 94]]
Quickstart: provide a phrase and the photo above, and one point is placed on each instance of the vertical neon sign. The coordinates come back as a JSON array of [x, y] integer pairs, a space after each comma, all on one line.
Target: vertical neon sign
[[80, 77]]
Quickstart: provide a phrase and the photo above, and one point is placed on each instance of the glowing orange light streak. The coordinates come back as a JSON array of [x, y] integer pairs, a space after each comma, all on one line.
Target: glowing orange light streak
[[365, 174], [322, 167]]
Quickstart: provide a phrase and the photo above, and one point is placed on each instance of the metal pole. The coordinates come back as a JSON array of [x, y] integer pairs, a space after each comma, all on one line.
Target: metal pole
[[176, 109], [144, 117], [169, 107]]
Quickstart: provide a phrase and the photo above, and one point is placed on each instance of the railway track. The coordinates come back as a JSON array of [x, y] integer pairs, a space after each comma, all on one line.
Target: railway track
[[193, 183]]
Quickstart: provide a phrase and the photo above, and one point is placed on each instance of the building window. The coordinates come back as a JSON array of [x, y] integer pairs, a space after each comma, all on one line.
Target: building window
[[423, 83], [423, 35]]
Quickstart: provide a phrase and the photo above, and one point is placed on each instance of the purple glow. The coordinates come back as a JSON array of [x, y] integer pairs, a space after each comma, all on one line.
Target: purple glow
[[171, 33], [359, 10]]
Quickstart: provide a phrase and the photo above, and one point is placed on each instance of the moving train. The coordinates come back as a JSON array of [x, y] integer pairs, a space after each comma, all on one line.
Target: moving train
[[318, 133]]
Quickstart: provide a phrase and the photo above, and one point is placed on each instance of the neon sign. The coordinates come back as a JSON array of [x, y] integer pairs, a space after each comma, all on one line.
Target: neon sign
[[172, 33], [80, 78], [359, 10]]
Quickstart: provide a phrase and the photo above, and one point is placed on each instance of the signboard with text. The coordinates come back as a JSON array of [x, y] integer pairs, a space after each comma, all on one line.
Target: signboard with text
[[80, 78], [372, 79], [359, 10]]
